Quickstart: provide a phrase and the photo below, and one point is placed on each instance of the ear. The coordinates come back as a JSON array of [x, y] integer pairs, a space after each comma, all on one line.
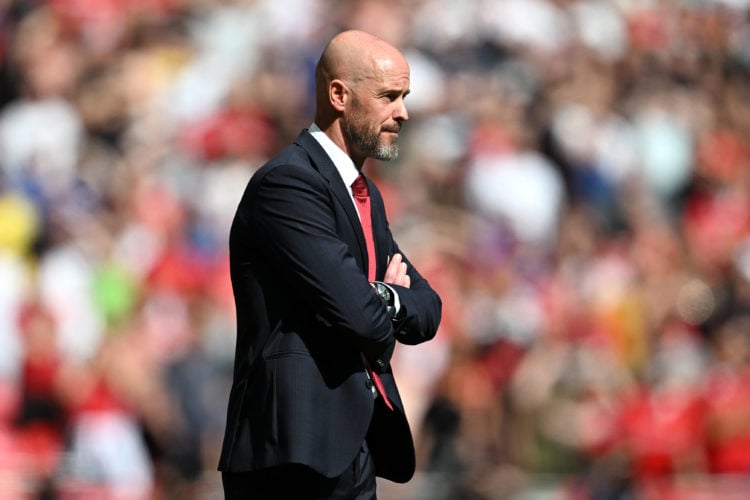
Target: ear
[[338, 95]]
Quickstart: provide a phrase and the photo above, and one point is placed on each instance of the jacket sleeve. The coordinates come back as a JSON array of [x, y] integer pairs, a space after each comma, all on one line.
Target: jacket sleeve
[[291, 216], [421, 307]]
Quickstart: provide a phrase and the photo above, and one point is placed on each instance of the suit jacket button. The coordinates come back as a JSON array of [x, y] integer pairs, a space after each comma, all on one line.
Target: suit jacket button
[[380, 363]]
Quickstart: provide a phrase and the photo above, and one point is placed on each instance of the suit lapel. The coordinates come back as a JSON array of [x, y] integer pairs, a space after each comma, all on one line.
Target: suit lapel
[[327, 169]]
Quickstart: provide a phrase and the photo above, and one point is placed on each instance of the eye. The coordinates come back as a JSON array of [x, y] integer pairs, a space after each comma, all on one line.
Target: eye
[[397, 95]]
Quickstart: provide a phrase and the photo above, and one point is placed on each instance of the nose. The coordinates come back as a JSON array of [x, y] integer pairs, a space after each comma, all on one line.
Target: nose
[[401, 114]]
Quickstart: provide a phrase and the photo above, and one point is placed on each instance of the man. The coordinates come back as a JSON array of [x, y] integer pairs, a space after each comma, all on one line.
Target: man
[[322, 293]]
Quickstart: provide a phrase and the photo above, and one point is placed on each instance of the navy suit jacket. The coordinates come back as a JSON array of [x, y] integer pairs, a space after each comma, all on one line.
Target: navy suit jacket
[[305, 314]]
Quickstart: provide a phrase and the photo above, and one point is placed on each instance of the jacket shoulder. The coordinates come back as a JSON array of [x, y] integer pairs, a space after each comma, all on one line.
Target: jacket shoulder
[[291, 157]]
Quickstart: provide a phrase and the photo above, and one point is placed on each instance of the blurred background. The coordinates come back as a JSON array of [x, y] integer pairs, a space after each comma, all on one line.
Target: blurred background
[[574, 180]]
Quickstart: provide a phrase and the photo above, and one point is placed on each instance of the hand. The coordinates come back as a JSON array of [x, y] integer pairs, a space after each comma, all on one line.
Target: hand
[[395, 274]]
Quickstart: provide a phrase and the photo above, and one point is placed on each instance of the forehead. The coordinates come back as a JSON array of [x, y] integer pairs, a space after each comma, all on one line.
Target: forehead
[[390, 71]]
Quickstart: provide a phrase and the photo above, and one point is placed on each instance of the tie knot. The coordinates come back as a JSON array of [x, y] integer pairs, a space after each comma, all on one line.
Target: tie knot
[[359, 187]]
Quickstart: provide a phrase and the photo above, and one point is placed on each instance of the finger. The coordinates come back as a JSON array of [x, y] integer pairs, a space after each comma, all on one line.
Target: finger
[[392, 271], [403, 278], [396, 261]]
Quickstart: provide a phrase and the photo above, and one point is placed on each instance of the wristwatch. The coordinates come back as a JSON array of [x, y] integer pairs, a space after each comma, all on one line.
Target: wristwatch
[[386, 296]]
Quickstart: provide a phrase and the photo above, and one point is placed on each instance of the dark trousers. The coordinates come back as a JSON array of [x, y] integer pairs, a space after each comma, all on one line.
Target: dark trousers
[[298, 482]]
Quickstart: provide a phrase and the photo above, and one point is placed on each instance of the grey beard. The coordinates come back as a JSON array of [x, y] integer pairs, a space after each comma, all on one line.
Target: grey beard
[[370, 146], [386, 152]]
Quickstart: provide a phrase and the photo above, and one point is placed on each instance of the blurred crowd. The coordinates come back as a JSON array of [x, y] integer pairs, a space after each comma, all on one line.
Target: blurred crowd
[[574, 180]]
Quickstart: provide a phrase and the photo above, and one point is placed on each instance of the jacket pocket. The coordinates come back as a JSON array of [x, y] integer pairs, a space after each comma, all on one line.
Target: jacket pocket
[[285, 344]]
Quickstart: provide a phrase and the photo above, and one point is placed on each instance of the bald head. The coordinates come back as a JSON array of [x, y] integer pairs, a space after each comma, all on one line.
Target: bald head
[[361, 81], [355, 55]]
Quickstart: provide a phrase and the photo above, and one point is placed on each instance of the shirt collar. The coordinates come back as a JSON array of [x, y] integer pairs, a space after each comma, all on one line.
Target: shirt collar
[[340, 159]]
